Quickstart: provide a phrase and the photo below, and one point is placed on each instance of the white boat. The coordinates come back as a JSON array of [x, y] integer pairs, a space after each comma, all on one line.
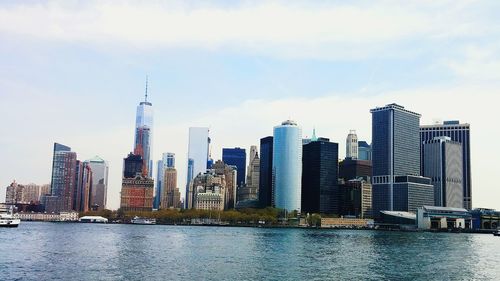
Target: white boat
[[139, 220], [8, 220], [497, 232]]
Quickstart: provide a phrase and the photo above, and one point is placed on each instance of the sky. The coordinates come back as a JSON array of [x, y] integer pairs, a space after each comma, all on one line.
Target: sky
[[73, 72]]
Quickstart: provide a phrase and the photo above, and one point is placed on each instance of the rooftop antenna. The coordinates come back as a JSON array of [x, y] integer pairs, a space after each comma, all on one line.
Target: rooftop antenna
[[146, 95]]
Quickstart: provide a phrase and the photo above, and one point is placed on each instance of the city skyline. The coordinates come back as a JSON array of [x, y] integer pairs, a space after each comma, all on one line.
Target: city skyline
[[85, 96]]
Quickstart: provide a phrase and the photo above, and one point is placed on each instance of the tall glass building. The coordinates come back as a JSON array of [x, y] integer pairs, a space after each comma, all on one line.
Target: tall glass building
[[144, 133], [236, 157], [266, 172], [364, 151], [99, 194], [63, 181], [397, 185], [287, 166], [198, 148], [458, 132]]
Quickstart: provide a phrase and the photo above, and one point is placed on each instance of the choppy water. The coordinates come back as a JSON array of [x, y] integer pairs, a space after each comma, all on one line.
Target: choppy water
[[60, 251]]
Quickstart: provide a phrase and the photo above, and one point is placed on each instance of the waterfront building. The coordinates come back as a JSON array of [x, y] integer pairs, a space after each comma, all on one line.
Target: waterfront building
[[209, 190], [99, 192], [229, 174], [71, 216], [442, 163], [320, 177], [287, 166], [63, 179], [352, 145], [198, 156], [350, 169], [266, 172], [236, 157], [458, 132], [346, 223], [396, 182], [250, 190], [137, 194], [483, 218], [433, 217], [355, 198], [13, 193], [144, 133], [364, 151], [82, 192]]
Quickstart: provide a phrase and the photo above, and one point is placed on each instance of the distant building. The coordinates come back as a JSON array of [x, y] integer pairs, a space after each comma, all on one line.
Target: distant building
[[82, 192], [350, 169], [250, 190], [236, 157], [443, 165], [209, 191], [364, 151], [100, 171], [355, 198], [320, 177], [171, 197], [266, 172], [352, 145], [132, 166], [144, 134], [485, 219], [13, 193], [432, 217], [229, 175], [63, 179], [287, 166], [396, 182], [137, 194], [458, 133], [198, 155]]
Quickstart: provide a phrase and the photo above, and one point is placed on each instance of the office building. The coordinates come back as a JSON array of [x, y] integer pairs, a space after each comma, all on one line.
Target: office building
[[82, 192], [442, 163], [99, 194], [355, 198], [144, 133], [458, 132], [350, 169], [266, 172], [198, 155], [320, 177], [208, 191], [229, 176], [132, 166], [171, 197], [396, 182], [63, 179], [137, 194], [287, 166], [250, 190], [364, 151], [352, 145], [236, 157]]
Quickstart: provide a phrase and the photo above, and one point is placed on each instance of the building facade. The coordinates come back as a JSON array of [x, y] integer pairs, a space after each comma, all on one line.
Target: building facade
[[144, 133], [287, 166], [355, 198], [458, 132], [137, 194], [266, 172], [442, 163], [236, 157], [320, 177], [352, 145], [82, 192], [250, 190], [99, 192], [209, 191], [396, 158], [350, 169], [63, 181], [171, 197]]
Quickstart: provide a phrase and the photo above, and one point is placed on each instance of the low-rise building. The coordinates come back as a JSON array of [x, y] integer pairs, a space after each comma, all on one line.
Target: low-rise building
[[432, 217], [53, 217], [346, 223], [485, 219]]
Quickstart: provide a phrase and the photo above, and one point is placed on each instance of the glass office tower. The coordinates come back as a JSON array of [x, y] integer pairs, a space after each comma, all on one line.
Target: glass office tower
[[236, 157], [99, 194], [197, 155], [144, 133], [287, 166], [63, 181], [266, 172]]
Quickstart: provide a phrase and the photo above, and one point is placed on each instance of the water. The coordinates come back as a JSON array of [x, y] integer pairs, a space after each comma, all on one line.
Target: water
[[71, 251]]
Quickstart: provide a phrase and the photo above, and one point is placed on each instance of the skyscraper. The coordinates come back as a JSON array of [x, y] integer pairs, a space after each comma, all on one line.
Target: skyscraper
[[82, 192], [320, 177], [198, 148], [132, 166], [144, 133], [442, 163], [364, 151], [63, 179], [458, 133], [250, 190], [137, 190], [287, 166], [236, 157], [99, 194], [352, 145], [167, 161], [397, 185], [266, 172]]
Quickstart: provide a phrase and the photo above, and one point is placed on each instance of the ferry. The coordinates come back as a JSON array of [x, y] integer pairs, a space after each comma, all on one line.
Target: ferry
[[139, 220], [8, 220]]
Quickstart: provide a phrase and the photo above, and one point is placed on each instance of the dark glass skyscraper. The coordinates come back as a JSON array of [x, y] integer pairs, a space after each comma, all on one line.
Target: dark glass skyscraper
[[266, 172], [236, 157], [63, 181], [458, 133], [320, 177], [132, 166], [397, 185]]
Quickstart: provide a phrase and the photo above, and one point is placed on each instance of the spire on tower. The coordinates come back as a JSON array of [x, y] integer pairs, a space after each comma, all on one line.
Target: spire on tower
[[314, 138], [146, 95]]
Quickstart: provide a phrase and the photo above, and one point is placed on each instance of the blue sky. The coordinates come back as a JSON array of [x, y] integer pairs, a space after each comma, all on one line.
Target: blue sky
[[73, 72]]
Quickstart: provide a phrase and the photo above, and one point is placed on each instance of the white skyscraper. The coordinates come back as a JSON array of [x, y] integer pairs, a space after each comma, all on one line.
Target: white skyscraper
[[287, 166], [197, 155], [352, 145], [99, 192]]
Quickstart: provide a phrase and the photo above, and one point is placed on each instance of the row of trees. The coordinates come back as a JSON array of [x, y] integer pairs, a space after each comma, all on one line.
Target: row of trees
[[267, 216]]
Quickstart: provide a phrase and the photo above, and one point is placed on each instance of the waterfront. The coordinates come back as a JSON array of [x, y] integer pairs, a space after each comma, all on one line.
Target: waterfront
[[72, 251]]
